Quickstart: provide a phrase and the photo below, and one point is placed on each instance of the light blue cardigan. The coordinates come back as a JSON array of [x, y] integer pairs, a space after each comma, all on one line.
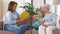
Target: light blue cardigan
[[11, 18]]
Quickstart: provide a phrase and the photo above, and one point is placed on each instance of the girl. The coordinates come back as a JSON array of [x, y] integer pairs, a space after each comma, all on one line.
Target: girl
[[38, 20]]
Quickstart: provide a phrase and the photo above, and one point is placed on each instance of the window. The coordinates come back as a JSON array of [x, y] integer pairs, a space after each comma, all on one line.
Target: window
[[58, 10], [21, 3], [38, 3]]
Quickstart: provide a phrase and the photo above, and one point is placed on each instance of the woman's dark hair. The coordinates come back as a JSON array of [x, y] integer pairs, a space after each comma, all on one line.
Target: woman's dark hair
[[10, 6]]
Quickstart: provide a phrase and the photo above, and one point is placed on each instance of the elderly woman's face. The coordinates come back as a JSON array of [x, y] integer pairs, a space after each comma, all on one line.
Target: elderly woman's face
[[45, 9]]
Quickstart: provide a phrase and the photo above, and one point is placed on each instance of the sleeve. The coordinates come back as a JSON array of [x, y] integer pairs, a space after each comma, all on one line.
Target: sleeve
[[17, 14], [9, 19]]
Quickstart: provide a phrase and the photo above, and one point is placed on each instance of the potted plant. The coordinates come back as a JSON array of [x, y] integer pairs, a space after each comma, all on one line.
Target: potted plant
[[30, 9]]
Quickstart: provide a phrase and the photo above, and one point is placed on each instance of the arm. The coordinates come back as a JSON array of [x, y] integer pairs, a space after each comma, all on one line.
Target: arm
[[18, 20], [42, 23], [54, 19]]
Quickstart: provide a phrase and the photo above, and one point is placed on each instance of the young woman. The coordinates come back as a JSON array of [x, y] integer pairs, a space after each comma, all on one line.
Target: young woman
[[11, 20], [49, 21]]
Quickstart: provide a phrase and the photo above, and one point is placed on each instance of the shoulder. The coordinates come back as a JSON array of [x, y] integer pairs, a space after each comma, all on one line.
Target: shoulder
[[17, 13], [53, 14], [41, 19], [8, 13]]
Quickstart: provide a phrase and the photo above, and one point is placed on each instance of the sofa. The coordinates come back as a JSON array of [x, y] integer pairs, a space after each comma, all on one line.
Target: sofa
[[28, 22]]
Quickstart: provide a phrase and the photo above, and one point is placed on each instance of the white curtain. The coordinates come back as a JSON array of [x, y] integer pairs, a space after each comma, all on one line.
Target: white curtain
[[21, 3], [38, 3]]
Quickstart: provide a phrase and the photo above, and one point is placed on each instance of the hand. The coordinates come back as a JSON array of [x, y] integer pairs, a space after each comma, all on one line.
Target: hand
[[34, 17], [42, 23], [18, 21], [46, 25]]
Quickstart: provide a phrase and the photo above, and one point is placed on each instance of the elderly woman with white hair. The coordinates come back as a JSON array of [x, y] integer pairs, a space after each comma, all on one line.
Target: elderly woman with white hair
[[49, 21]]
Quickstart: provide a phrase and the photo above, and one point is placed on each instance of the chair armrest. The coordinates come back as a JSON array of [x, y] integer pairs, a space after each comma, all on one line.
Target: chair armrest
[[1, 25]]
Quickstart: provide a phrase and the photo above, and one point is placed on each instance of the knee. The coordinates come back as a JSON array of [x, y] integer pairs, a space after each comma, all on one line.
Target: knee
[[41, 27], [48, 28], [23, 26]]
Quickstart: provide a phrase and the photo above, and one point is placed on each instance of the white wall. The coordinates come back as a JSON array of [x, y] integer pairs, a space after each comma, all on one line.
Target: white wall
[[58, 16], [1, 14], [38, 3], [20, 3]]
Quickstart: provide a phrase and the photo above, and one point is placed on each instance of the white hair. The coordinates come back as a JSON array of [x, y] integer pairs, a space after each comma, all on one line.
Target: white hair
[[47, 5]]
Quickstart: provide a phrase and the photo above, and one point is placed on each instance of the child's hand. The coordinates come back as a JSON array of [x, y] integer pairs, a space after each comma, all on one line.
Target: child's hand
[[42, 23], [37, 18], [34, 16]]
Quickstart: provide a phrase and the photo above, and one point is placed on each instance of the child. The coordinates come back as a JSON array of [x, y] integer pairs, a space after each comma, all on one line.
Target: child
[[38, 20]]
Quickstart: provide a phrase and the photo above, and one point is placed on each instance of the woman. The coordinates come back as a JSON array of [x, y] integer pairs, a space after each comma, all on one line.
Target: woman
[[49, 21], [11, 20]]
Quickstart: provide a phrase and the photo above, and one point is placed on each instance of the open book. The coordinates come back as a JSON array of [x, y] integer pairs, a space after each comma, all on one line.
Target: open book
[[24, 15]]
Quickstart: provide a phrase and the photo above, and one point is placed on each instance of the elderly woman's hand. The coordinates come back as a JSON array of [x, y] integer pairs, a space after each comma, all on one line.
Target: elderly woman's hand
[[42, 23], [46, 24]]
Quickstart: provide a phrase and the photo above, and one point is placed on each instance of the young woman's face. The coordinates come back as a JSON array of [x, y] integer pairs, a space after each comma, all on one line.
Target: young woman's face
[[14, 7]]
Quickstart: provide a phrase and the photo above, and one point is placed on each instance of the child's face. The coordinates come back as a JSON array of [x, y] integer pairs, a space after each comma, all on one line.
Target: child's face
[[40, 14]]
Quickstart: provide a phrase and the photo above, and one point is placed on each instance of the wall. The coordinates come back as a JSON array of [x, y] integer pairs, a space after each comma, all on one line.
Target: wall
[[20, 3], [1, 10], [58, 16], [38, 3]]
